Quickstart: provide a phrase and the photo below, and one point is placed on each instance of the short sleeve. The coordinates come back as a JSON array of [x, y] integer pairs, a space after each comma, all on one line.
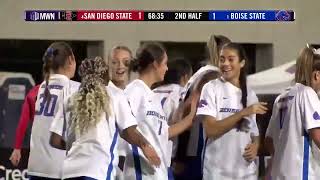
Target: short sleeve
[[207, 103], [310, 109], [123, 113], [135, 99]]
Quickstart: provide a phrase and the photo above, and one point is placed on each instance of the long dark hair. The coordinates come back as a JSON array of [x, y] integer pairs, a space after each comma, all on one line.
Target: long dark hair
[[55, 57]]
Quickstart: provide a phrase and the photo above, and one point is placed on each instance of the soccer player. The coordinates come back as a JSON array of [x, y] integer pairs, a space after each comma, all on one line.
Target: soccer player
[[151, 64], [94, 117], [191, 142], [27, 115], [45, 162], [295, 126], [119, 59], [228, 108], [169, 92]]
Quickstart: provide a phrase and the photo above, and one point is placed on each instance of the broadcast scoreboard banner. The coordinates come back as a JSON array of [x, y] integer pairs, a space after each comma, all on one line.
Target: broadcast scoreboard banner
[[140, 15]]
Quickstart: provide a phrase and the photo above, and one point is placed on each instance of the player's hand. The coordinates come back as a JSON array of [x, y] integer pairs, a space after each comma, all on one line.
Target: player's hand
[[258, 108], [151, 155], [15, 157], [250, 152]]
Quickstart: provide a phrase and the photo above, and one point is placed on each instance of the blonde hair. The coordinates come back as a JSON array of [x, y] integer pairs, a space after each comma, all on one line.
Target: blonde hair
[[214, 46], [305, 65], [92, 99]]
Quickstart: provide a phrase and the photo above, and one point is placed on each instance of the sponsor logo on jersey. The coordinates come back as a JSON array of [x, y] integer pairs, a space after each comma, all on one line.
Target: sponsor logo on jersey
[[156, 114], [202, 103], [230, 110], [316, 116]]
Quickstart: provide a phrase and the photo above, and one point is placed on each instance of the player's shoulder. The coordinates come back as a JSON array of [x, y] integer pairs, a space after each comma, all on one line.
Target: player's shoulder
[[114, 91], [74, 84], [215, 83], [135, 88]]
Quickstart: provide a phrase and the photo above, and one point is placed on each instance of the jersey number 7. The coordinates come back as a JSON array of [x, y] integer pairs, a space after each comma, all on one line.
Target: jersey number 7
[[47, 109]]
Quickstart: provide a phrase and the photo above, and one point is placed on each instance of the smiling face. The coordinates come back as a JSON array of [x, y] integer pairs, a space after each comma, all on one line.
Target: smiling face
[[120, 60], [230, 64]]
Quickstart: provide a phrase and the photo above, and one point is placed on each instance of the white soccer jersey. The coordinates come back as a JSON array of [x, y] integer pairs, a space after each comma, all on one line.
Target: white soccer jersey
[[44, 160], [273, 129], [223, 157], [170, 96], [94, 154], [152, 123], [296, 157]]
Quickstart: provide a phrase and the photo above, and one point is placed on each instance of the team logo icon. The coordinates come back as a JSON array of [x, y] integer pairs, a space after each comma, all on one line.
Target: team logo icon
[[283, 15], [202, 103], [316, 116]]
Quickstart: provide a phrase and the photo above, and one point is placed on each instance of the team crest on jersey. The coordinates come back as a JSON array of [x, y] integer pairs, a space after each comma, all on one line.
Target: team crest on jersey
[[316, 116], [202, 103]]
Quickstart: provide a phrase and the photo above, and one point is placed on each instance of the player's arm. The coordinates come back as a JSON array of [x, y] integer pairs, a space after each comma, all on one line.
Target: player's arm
[[315, 136], [127, 122], [216, 128], [25, 117], [186, 122], [20, 132]]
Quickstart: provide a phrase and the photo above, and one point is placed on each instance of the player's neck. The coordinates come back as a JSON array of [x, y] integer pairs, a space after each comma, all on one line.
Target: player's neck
[[119, 84], [148, 79], [63, 72]]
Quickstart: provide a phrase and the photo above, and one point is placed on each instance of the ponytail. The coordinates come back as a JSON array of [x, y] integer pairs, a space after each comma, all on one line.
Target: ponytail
[[47, 65], [304, 66], [214, 46], [243, 87]]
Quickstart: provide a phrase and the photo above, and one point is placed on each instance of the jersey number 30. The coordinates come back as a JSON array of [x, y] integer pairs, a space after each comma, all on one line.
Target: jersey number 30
[[47, 109]]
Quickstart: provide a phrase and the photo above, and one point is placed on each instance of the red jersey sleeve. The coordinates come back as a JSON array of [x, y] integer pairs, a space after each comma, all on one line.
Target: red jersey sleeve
[[27, 114]]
